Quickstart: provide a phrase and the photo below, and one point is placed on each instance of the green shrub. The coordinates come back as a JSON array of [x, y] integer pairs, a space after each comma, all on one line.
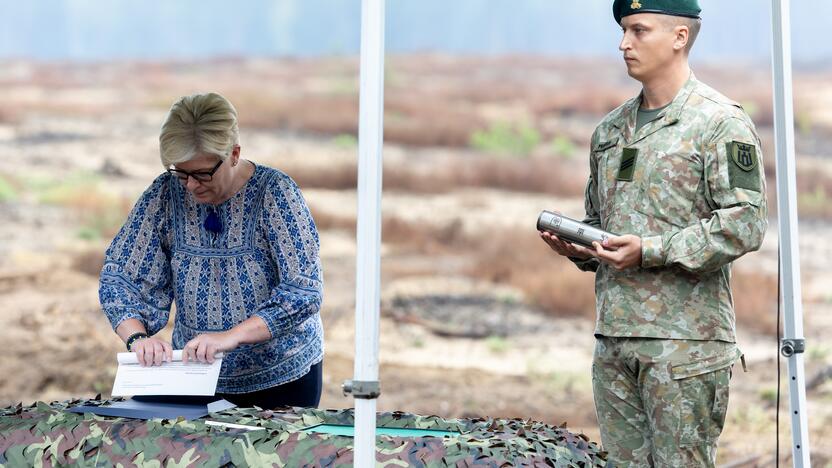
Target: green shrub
[[503, 138], [99, 214], [345, 141], [497, 344], [7, 190], [563, 146]]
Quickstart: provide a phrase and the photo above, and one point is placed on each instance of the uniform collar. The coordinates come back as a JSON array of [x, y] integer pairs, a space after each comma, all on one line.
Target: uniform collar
[[668, 116]]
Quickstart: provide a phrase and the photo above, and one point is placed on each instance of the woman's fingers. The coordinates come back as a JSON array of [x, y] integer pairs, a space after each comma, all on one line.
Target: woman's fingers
[[209, 353], [201, 352], [152, 351], [147, 352], [168, 351], [188, 352], [158, 353]]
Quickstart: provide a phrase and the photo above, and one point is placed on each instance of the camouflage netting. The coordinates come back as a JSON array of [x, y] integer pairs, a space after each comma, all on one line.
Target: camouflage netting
[[46, 435]]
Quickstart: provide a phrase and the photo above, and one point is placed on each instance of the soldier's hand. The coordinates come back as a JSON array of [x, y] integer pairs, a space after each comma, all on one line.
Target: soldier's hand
[[567, 249], [621, 252]]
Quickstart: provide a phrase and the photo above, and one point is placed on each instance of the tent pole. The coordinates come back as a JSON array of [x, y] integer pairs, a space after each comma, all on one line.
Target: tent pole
[[792, 345], [364, 387]]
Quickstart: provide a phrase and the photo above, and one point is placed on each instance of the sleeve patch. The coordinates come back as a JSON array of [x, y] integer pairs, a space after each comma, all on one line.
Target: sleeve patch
[[743, 155], [742, 162]]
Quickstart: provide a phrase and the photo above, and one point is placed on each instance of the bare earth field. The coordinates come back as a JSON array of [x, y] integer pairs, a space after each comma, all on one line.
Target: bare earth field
[[478, 316]]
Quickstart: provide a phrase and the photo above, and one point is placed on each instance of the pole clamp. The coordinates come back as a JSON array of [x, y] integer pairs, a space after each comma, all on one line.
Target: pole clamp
[[790, 347], [364, 389]]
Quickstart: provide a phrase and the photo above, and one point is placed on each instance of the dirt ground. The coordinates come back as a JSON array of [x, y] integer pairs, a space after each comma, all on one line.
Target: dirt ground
[[452, 343]]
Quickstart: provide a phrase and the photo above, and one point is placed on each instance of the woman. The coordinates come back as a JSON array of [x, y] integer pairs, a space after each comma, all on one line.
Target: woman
[[234, 244]]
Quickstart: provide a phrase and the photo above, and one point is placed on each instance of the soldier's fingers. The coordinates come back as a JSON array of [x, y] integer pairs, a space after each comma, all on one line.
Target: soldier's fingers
[[581, 250], [615, 241], [555, 244], [610, 257], [562, 245], [571, 249]]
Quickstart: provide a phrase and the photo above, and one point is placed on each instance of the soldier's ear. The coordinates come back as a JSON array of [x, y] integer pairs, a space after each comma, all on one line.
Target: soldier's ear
[[682, 34]]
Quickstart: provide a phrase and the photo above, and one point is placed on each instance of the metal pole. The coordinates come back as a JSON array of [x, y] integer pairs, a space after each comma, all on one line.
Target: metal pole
[[364, 387], [792, 345]]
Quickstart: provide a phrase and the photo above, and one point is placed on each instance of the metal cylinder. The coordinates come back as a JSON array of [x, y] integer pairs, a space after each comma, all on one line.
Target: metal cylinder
[[571, 230]]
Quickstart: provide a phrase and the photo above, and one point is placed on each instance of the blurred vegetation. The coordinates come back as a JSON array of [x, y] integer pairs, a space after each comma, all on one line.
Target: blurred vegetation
[[804, 122], [8, 192], [345, 141], [99, 214], [756, 418], [768, 394], [814, 190], [533, 174], [563, 146], [506, 139], [751, 107], [497, 344], [563, 382], [815, 203], [817, 352]]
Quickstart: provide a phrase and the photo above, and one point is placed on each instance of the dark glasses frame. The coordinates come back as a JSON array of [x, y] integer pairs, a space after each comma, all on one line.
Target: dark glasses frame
[[201, 176]]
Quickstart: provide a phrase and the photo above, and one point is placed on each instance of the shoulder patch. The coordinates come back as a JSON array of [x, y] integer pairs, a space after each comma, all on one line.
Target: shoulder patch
[[743, 155], [742, 160]]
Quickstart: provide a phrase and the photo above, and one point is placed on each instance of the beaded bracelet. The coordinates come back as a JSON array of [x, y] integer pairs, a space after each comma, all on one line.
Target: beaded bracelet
[[135, 337]]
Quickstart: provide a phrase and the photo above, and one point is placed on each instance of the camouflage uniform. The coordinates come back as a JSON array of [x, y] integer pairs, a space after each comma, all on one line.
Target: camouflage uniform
[[691, 185]]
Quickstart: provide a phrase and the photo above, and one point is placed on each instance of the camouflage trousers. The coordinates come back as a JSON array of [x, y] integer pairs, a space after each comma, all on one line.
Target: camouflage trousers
[[661, 402]]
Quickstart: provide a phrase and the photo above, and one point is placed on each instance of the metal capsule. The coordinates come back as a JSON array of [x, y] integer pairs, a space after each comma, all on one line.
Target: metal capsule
[[570, 230]]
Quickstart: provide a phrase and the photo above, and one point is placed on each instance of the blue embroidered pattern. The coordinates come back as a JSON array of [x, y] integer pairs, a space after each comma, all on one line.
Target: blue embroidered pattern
[[264, 262]]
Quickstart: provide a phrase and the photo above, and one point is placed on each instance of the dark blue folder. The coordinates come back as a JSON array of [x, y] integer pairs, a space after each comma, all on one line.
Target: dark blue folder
[[157, 406]]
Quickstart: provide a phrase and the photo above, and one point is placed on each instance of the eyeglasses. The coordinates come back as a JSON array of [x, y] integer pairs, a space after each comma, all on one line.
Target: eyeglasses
[[201, 176]]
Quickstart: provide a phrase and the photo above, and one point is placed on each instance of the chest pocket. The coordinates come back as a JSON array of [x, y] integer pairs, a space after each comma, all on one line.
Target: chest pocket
[[670, 187], [607, 171]]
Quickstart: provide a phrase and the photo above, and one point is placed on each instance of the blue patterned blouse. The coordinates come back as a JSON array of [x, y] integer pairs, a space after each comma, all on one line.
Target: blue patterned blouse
[[264, 262]]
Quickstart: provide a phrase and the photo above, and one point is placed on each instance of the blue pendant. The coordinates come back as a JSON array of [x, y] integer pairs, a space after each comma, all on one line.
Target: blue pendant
[[212, 222]]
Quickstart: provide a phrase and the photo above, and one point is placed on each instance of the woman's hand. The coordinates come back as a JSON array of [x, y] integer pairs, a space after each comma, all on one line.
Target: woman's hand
[[152, 351], [203, 347]]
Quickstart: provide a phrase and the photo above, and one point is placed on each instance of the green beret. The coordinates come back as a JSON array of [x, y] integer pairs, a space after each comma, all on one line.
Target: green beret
[[622, 8]]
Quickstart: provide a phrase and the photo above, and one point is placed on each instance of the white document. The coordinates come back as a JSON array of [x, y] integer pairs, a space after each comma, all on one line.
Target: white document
[[171, 378]]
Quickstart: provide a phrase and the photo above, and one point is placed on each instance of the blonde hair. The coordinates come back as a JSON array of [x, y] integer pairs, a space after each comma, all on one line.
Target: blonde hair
[[199, 123]]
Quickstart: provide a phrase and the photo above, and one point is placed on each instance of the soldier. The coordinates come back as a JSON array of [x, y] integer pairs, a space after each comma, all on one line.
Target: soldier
[[677, 173]]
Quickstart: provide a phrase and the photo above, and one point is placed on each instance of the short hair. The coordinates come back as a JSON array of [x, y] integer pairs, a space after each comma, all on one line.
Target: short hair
[[199, 123], [693, 24]]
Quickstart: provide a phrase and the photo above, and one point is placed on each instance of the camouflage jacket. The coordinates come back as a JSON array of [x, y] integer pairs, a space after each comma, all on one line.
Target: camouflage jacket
[[690, 184]]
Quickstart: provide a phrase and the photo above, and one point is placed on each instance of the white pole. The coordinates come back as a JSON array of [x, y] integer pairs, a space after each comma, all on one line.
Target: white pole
[[364, 387], [792, 345]]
